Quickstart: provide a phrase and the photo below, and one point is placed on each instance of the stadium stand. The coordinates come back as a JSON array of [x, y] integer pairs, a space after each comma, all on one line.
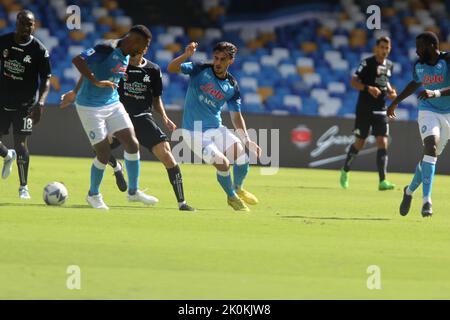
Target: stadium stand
[[294, 60]]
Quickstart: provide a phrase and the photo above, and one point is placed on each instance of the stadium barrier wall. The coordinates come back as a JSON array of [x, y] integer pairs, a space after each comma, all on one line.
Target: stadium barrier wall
[[304, 142]]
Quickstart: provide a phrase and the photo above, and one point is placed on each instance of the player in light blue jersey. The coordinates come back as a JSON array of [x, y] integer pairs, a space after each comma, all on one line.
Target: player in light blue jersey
[[432, 71], [211, 86], [101, 113]]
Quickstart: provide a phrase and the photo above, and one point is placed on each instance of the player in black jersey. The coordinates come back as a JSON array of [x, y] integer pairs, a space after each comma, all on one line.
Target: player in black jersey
[[141, 93], [372, 80], [25, 70]]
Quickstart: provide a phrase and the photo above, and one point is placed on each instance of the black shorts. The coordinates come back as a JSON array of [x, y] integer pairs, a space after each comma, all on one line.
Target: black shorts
[[148, 133], [19, 119], [365, 121]]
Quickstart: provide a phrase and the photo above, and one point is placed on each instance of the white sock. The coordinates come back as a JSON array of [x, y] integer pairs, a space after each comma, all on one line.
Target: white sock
[[409, 192], [9, 155], [426, 199], [118, 167], [181, 203]]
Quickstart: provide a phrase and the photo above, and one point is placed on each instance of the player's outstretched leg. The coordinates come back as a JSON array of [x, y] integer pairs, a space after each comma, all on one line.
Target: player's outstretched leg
[[23, 163], [164, 154], [428, 170], [409, 190], [240, 172], [9, 156]]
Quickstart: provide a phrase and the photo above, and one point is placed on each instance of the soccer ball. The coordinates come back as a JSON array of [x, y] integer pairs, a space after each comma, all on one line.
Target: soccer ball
[[55, 194]]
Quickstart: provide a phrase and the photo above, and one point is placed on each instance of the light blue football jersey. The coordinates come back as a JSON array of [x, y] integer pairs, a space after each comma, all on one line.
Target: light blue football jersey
[[434, 78], [206, 96], [107, 62]]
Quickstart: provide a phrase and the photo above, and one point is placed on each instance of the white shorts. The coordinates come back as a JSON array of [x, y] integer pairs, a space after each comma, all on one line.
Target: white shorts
[[207, 144], [435, 124], [99, 123]]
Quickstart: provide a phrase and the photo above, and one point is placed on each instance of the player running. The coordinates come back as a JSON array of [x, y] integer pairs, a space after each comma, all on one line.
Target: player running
[[210, 87], [372, 80], [140, 92], [25, 69], [432, 71], [102, 114]]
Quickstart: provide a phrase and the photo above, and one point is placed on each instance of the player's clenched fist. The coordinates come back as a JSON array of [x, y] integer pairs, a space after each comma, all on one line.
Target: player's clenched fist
[[191, 48]]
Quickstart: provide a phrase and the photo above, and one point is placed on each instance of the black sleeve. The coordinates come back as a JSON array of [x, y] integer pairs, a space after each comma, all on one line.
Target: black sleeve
[[156, 80], [362, 70], [44, 68]]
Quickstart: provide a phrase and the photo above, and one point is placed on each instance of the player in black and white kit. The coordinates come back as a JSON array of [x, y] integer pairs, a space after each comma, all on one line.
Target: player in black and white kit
[[25, 70], [141, 93], [372, 80]]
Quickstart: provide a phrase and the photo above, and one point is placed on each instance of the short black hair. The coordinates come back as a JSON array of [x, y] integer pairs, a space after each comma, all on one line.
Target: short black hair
[[429, 38], [226, 47], [141, 30], [24, 13], [383, 39]]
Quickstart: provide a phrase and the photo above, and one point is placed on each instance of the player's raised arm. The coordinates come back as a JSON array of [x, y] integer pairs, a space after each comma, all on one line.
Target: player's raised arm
[[175, 65], [409, 90], [81, 64]]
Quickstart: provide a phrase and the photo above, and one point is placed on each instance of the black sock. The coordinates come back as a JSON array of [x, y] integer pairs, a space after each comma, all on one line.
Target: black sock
[[112, 161], [23, 162], [177, 182], [3, 150], [351, 155], [382, 161]]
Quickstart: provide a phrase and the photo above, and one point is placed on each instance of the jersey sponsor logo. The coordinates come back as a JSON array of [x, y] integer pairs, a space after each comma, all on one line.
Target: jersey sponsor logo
[[432, 79], [27, 59], [210, 89], [14, 66], [147, 78], [135, 87], [208, 101], [119, 68]]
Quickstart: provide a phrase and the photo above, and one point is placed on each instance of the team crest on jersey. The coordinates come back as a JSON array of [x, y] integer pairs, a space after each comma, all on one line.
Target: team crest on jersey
[[424, 129], [92, 135], [5, 53], [147, 78], [27, 59]]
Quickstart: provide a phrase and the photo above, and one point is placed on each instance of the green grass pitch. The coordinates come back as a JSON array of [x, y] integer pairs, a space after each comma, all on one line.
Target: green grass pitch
[[307, 239]]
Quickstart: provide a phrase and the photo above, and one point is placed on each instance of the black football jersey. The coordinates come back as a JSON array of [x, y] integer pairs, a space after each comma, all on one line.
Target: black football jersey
[[22, 67], [375, 74], [140, 85]]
